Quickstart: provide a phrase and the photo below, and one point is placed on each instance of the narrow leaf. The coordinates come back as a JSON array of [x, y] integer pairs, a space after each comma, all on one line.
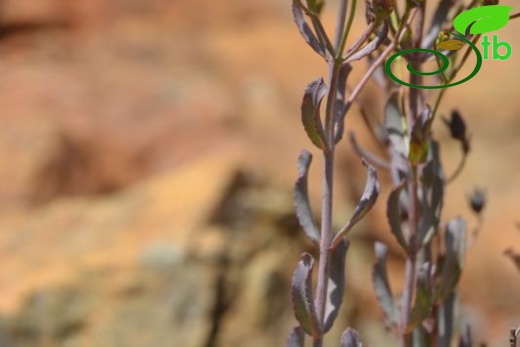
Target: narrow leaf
[[305, 30], [302, 299], [433, 183], [310, 109], [446, 314], [423, 297], [394, 123], [371, 46], [381, 284], [367, 156], [393, 212], [368, 199], [336, 285], [344, 71], [296, 337], [481, 20], [350, 338], [455, 244], [302, 204]]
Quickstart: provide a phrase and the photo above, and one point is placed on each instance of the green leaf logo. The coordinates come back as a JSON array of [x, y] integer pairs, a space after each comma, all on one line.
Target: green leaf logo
[[483, 19]]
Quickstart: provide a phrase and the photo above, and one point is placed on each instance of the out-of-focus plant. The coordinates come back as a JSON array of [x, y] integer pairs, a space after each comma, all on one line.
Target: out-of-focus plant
[[423, 315]]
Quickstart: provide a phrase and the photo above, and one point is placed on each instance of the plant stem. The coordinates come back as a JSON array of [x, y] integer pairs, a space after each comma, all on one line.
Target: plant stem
[[326, 237], [328, 173], [416, 106]]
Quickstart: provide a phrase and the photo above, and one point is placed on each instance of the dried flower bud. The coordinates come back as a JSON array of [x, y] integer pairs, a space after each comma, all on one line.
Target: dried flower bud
[[477, 200], [457, 126], [382, 8]]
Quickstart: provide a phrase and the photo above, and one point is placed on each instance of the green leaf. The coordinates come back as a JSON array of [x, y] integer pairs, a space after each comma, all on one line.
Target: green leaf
[[302, 298], [310, 108], [302, 204], [481, 20], [382, 286]]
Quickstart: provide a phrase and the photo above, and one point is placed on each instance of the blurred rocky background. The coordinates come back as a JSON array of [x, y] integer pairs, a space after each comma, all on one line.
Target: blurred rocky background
[[147, 154]]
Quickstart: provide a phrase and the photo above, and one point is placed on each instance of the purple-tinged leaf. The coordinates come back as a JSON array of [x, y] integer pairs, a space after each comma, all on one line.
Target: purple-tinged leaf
[[371, 46], [350, 338], [302, 298], [360, 40], [367, 156], [382, 286], [453, 263], [336, 285], [367, 201], [344, 71], [394, 123], [379, 76], [393, 212], [296, 338], [433, 183], [310, 109], [465, 337], [302, 204], [305, 30], [370, 15]]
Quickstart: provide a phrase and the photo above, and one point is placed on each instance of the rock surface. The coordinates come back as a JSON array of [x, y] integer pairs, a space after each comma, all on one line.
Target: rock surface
[[147, 153]]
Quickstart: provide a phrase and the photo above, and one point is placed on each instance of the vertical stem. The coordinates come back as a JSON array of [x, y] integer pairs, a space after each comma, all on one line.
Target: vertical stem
[[410, 272], [328, 174], [326, 235], [416, 105]]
